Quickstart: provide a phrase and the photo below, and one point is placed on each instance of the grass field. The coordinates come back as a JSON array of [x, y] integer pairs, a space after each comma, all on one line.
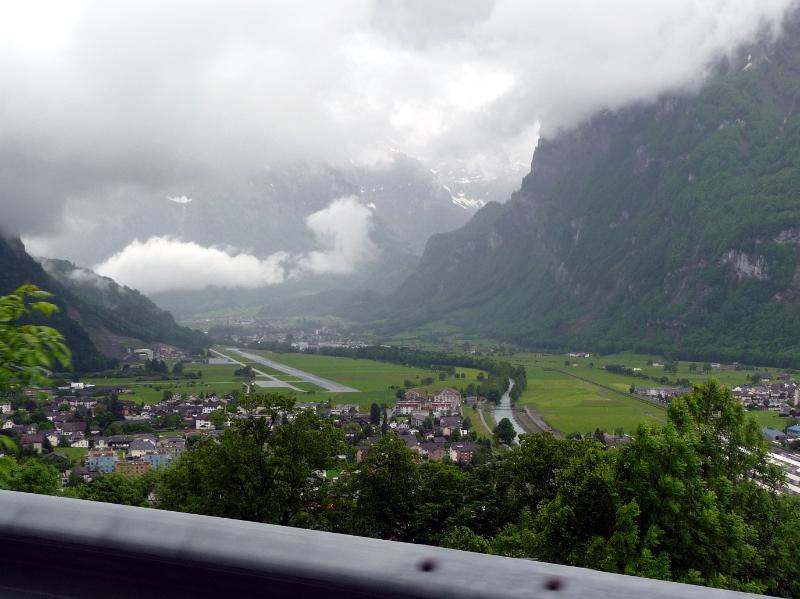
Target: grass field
[[76, 454], [572, 405], [216, 378], [594, 368], [373, 379], [477, 425], [772, 419]]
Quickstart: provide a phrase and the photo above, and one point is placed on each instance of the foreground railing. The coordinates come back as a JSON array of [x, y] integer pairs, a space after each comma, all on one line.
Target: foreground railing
[[51, 546]]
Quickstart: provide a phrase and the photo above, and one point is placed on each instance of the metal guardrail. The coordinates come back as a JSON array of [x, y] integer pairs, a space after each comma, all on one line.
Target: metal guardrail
[[52, 546]]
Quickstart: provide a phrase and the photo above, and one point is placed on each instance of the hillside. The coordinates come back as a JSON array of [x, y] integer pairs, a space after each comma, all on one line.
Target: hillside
[[97, 316], [672, 227], [119, 311], [16, 268]]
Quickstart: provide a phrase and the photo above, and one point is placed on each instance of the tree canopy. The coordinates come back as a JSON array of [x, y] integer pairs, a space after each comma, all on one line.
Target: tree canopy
[[28, 352]]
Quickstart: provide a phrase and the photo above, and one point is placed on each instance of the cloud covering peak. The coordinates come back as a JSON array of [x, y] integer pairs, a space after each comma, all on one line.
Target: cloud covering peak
[[158, 264], [106, 101]]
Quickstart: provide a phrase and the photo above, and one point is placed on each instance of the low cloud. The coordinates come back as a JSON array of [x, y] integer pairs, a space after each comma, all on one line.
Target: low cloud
[[123, 100], [180, 199], [341, 230], [163, 263]]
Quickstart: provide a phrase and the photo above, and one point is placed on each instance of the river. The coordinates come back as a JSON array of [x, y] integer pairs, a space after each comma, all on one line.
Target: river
[[503, 410]]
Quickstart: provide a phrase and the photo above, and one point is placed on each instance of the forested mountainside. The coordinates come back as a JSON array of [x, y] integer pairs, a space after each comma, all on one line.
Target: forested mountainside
[[671, 227], [16, 268], [121, 310], [97, 316]]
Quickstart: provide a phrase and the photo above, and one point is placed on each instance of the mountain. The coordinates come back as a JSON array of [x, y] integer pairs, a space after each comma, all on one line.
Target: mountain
[[410, 202], [16, 268], [114, 314], [673, 226], [98, 317], [265, 212]]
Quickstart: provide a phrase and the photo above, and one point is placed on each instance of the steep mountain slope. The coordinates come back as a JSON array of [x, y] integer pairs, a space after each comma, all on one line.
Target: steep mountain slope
[[674, 226], [117, 311], [16, 268], [98, 317]]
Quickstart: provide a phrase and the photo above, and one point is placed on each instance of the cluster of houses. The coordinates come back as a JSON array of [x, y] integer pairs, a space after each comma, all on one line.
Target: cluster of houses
[[431, 426], [131, 455], [782, 397], [159, 351], [442, 403], [661, 394]]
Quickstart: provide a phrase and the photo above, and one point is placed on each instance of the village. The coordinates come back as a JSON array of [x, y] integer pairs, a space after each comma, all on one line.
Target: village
[[90, 430], [77, 419]]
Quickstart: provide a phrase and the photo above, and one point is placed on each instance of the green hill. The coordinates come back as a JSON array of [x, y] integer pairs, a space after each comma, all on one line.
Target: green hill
[[98, 317], [670, 227]]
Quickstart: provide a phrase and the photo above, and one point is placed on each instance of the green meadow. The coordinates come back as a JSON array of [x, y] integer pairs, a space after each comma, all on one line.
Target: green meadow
[[216, 378], [573, 405], [376, 381]]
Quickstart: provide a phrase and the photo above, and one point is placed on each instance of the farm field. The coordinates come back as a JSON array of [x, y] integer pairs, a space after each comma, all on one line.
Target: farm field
[[216, 378], [572, 405], [373, 379], [593, 368]]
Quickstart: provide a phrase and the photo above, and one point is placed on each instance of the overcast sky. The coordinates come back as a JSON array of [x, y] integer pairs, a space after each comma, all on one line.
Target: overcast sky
[[105, 102]]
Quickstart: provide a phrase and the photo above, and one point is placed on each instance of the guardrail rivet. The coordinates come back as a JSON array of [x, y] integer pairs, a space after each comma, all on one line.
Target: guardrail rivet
[[553, 584], [427, 565]]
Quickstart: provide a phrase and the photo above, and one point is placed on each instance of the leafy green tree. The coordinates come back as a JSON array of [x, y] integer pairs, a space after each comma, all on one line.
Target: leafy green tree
[[218, 418], [463, 538], [504, 431], [177, 368], [384, 423], [374, 414], [116, 488], [28, 352], [439, 500], [259, 469], [382, 488], [31, 476]]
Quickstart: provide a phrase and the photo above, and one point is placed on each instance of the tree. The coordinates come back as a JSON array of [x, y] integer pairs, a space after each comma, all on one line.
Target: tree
[[385, 423], [259, 470], [463, 538], [439, 500], [706, 368], [178, 367], [28, 352], [117, 488], [32, 476], [504, 431], [383, 488], [374, 414]]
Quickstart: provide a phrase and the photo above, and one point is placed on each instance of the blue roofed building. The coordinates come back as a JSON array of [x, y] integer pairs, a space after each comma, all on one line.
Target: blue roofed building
[[773, 435], [158, 460], [101, 460]]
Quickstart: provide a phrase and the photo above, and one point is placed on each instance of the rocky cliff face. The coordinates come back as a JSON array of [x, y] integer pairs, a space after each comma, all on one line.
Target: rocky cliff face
[[672, 226]]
